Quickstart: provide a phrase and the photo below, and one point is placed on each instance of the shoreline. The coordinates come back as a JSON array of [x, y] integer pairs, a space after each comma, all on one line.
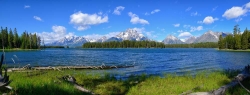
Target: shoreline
[[232, 50], [18, 49]]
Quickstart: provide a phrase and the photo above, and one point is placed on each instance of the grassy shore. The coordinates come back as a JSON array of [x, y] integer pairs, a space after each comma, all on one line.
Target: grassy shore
[[49, 83], [18, 49], [232, 50]]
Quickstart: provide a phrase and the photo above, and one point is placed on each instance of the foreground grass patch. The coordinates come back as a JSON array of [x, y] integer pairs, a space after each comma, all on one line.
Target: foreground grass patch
[[174, 85], [49, 83]]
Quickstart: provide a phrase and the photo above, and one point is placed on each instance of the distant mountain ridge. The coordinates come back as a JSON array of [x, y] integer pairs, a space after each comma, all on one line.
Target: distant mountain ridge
[[208, 36], [129, 34], [170, 39], [133, 35]]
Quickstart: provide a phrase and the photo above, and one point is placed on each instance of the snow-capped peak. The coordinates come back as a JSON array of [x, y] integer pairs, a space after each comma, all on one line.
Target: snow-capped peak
[[171, 37], [131, 34]]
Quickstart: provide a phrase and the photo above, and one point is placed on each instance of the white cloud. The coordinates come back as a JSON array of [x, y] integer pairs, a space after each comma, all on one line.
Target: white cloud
[[209, 20], [100, 13], [180, 31], [195, 14], [185, 35], [136, 20], [97, 36], [155, 11], [188, 9], [198, 28], [147, 13], [58, 33], [214, 8], [26, 6], [83, 21], [186, 26], [37, 18], [238, 19], [150, 34], [117, 10], [139, 30], [199, 22], [177, 25], [247, 5], [234, 12]]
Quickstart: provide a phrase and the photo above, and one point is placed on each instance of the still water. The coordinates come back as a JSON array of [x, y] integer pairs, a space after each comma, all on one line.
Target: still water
[[149, 61]]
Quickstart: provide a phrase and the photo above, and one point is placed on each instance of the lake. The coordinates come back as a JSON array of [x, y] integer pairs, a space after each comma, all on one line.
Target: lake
[[149, 61]]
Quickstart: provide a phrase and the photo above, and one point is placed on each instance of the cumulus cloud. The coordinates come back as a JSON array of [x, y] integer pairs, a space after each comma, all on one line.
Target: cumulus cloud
[[139, 30], [155, 11], [83, 21], [185, 35], [98, 36], [150, 34], [238, 19], [147, 13], [195, 14], [117, 10], [26, 6], [58, 33], [200, 22], [188, 9], [214, 8], [186, 26], [247, 5], [37, 18], [209, 20], [177, 25], [198, 28], [234, 12], [180, 31], [136, 20]]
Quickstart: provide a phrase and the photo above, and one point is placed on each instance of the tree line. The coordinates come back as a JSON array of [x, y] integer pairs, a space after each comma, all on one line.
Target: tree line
[[146, 44], [235, 41], [124, 44], [10, 39]]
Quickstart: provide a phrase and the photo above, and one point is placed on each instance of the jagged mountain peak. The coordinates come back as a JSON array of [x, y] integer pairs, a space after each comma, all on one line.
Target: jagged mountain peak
[[129, 34], [170, 39], [209, 36], [190, 39]]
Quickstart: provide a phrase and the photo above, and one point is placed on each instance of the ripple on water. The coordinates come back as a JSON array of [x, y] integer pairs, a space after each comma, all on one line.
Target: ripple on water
[[151, 61]]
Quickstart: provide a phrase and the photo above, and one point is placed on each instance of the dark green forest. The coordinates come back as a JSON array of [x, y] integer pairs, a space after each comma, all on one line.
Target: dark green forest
[[146, 44], [235, 41], [9, 39]]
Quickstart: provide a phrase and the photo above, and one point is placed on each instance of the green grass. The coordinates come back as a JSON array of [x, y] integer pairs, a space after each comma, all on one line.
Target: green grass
[[49, 83], [232, 50]]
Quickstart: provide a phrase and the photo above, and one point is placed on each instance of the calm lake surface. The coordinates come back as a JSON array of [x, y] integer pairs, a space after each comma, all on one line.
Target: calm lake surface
[[149, 61]]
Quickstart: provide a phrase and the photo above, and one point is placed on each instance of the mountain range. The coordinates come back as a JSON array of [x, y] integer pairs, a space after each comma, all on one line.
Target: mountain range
[[131, 34]]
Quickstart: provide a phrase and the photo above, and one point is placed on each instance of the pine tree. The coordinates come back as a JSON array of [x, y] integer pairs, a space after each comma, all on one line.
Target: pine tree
[[16, 39], [237, 37], [10, 39], [244, 40], [221, 42], [1, 38], [23, 40]]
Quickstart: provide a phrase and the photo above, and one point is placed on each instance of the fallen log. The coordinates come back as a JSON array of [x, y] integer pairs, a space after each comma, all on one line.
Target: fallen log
[[4, 80], [221, 91], [72, 80], [70, 67]]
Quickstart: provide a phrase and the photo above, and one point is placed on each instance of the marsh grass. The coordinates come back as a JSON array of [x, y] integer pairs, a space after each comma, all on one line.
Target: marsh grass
[[49, 83]]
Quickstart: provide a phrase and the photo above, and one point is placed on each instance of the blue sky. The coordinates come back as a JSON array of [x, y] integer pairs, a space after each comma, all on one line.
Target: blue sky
[[55, 19]]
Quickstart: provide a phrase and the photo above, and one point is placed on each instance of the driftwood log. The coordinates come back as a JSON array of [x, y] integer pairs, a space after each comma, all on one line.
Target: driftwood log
[[4, 80], [221, 91], [72, 80], [69, 67]]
